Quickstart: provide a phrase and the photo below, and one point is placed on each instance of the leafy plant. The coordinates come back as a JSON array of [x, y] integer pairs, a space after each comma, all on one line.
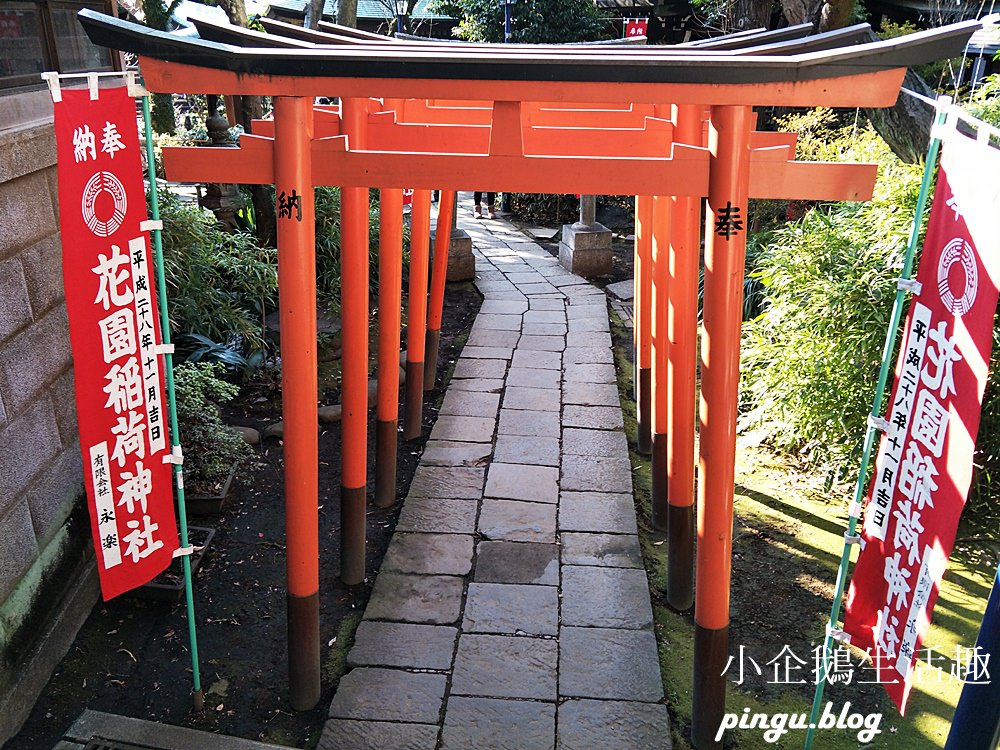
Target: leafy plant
[[810, 360], [211, 449], [328, 244], [531, 21], [221, 284]]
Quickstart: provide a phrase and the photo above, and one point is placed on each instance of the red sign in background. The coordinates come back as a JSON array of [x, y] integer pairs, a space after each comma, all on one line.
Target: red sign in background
[[114, 331], [923, 470], [636, 26]]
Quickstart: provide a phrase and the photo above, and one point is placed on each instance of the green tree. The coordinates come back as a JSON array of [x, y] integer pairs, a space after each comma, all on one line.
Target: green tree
[[532, 21], [158, 17]]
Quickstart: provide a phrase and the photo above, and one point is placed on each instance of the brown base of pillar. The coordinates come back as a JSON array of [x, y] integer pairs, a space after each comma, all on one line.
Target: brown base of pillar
[[659, 517], [709, 695], [680, 556], [431, 347], [352, 535], [303, 651], [385, 463], [644, 412], [413, 403]]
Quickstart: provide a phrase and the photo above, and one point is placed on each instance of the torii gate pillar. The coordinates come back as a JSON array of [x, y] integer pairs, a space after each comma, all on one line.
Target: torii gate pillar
[[725, 251], [293, 135]]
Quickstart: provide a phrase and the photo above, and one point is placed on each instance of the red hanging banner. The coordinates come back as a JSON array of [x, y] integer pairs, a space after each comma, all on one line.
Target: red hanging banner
[[636, 27], [114, 331], [923, 470]]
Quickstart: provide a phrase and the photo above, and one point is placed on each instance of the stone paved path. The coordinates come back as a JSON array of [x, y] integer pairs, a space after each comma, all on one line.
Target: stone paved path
[[512, 609]]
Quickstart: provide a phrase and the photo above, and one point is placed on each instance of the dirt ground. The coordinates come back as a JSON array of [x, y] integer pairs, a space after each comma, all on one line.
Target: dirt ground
[[131, 656]]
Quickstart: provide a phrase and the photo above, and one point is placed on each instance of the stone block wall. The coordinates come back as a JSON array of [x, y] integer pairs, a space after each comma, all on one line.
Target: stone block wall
[[43, 548]]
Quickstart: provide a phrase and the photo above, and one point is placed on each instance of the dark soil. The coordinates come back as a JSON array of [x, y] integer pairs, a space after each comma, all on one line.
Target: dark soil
[[132, 656]]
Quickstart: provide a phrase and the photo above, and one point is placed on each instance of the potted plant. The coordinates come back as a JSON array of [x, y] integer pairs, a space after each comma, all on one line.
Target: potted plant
[[212, 450]]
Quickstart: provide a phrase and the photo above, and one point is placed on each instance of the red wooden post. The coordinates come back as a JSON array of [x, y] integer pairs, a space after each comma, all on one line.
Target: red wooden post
[[390, 282], [662, 207], [354, 388], [683, 334], [442, 243], [416, 317], [293, 118], [641, 321], [725, 249]]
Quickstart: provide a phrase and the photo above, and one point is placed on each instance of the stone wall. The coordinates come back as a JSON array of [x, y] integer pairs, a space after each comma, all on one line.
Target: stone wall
[[45, 564]]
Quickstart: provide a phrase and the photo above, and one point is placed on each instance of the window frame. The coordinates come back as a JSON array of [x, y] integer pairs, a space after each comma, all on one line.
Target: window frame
[[48, 41]]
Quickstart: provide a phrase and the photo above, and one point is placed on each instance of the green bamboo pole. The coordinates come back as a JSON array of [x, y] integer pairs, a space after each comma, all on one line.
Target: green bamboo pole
[[161, 288], [876, 413]]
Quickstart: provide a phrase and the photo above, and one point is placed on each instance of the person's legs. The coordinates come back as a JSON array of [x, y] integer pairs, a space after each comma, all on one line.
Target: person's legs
[[477, 198], [490, 203]]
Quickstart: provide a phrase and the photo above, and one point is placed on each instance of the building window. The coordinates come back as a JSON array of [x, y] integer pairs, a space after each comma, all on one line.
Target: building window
[[45, 35]]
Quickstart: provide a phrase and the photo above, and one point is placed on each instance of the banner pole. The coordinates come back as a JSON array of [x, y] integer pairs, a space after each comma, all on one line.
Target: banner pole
[[199, 697], [876, 413]]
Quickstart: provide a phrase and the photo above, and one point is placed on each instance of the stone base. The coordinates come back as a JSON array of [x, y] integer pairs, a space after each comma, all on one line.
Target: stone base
[[461, 261], [586, 249]]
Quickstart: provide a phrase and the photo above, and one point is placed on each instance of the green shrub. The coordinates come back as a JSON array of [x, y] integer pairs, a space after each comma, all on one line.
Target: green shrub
[[211, 449], [221, 285], [810, 360]]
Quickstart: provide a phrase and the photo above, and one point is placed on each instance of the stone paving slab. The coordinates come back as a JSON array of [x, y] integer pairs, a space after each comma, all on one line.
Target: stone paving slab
[[447, 515], [537, 359], [455, 453], [488, 339], [448, 481], [479, 368], [493, 724], [609, 664], [537, 484], [532, 399], [512, 608], [613, 725], [429, 554], [587, 355], [515, 521], [531, 423], [597, 512], [589, 373], [525, 449], [470, 404], [498, 321], [420, 599], [503, 666], [377, 694], [591, 394], [464, 429], [595, 597], [393, 644], [517, 562], [488, 352], [534, 377], [544, 329], [588, 325], [339, 734], [581, 442], [491, 385], [612, 550], [593, 417], [609, 473]]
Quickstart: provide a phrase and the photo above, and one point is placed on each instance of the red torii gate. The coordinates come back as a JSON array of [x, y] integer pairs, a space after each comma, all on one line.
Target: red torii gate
[[515, 156]]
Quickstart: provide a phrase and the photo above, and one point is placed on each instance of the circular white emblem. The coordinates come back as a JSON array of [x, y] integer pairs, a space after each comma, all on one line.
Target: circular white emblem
[[958, 300], [104, 182]]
